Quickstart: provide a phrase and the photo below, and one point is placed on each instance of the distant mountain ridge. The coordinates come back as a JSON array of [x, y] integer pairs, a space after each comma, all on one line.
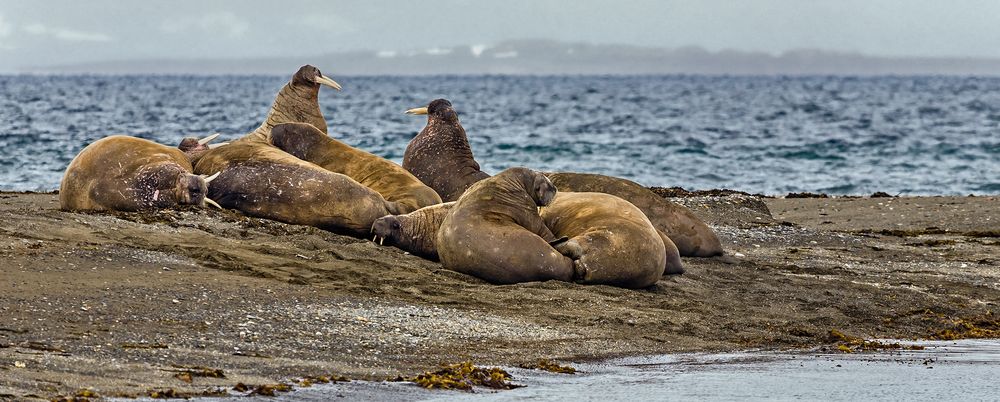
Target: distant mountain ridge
[[545, 57]]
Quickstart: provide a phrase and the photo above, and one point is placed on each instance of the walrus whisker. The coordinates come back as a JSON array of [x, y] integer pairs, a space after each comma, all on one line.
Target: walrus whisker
[[324, 80], [213, 146], [212, 203], [208, 139], [212, 177]]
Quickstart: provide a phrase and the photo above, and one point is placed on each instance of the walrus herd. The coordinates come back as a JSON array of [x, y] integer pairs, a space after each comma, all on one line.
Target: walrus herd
[[519, 225]]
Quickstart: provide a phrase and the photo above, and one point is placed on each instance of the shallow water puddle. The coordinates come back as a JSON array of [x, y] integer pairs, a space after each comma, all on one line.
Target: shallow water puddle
[[948, 370]]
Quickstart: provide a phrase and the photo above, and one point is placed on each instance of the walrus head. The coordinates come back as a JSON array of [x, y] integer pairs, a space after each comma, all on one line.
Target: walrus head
[[387, 227], [193, 190], [194, 148], [310, 76], [440, 109], [544, 190], [165, 185], [539, 188]]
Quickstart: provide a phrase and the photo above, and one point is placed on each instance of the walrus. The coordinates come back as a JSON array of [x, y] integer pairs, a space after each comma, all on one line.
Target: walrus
[[692, 236], [382, 175], [297, 102], [122, 173], [440, 155], [263, 181], [610, 241], [494, 231], [415, 232]]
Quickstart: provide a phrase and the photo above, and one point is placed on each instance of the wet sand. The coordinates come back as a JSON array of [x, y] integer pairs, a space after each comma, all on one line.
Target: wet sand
[[122, 303]]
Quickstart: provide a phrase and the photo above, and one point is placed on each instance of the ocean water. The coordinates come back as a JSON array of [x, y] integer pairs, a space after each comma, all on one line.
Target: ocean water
[[772, 135], [944, 371]]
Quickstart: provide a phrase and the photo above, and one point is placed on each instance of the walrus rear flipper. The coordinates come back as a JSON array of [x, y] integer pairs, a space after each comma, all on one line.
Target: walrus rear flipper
[[674, 265], [569, 248], [558, 241], [395, 208]]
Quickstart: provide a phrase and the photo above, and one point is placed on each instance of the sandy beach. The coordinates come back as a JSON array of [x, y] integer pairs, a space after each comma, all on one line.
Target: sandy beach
[[124, 304]]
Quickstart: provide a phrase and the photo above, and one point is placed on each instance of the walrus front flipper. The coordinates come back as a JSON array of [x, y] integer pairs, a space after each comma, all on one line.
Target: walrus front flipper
[[674, 265]]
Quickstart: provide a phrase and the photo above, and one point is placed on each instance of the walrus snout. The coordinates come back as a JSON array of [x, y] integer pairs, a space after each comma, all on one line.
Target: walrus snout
[[310, 75], [194, 147], [194, 190], [385, 227], [545, 191], [438, 108]]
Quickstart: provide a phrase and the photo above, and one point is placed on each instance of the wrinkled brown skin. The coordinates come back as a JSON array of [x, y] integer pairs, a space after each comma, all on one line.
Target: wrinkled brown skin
[[415, 232], [382, 175], [494, 231], [122, 173], [610, 240], [440, 155], [296, 102], [263, 181], [692, 236]]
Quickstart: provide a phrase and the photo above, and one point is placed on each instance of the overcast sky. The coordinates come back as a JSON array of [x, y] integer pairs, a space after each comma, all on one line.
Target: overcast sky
[[45, 32]]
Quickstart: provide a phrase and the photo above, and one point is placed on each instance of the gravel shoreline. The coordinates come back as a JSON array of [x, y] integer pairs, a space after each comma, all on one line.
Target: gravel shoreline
[[118, 303]]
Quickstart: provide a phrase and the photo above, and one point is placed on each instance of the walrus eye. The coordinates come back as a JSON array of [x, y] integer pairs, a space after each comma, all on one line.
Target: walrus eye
[[395, 225]]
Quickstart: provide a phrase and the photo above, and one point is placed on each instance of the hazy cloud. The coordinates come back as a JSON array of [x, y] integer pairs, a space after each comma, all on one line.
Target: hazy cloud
[[5, 30], [327, 23], [220, 23], [66, 34], [301, 28]]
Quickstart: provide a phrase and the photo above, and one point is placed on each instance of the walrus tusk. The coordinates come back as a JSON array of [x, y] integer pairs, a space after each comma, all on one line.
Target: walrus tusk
[[212, 177], [374, 238], [208, 139], [381, 240], [213, 146], [212, 203], [417, 111], [324, 80]]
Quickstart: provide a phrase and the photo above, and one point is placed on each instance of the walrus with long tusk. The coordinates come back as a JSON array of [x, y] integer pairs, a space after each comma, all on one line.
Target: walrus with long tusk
[[494, 231], [122, 173], [415, 232], [610, 241], [263, 181], [297, 102], [440, 155], [382, 175]]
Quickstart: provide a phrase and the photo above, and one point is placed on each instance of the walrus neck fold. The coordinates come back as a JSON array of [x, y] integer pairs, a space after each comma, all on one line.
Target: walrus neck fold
[[295, 103], [513, 199]]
